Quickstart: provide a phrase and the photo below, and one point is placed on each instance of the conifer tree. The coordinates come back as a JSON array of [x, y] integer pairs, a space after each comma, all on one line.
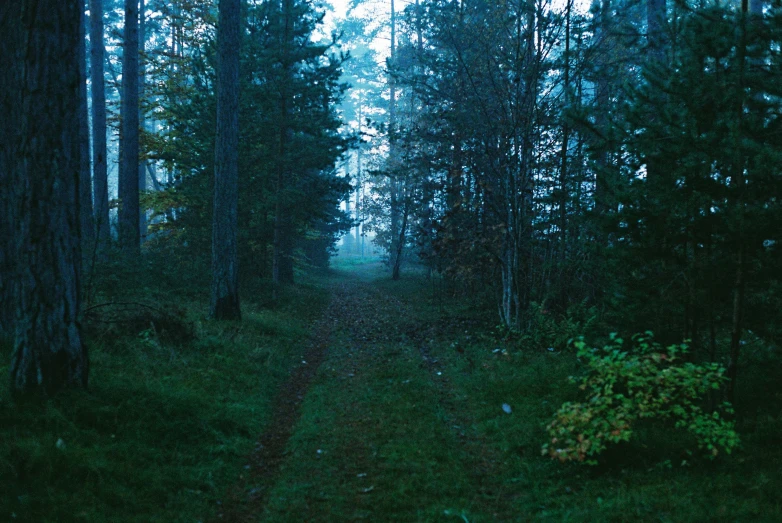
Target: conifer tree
[[40, 163], [224, 303]]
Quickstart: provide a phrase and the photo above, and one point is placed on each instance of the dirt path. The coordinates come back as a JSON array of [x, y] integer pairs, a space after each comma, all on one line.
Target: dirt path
[[263, 464], [362, 335]]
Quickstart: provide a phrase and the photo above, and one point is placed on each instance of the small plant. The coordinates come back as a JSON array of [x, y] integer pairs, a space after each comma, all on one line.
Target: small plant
[[624, 386]]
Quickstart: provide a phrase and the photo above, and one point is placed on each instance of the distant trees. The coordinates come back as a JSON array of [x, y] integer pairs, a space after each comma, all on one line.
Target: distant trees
[[620, 157], [40, 167], [289, 137], [224, 303]]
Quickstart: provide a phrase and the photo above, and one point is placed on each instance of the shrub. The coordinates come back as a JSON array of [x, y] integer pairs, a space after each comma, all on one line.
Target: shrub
[[625, 386]]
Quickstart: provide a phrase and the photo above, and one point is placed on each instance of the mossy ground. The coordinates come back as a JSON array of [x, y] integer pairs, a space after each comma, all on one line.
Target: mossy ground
[[403, 422], [166, 425]]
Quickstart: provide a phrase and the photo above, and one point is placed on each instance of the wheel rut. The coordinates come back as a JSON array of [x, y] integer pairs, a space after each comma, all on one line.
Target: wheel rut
[[263, 464]]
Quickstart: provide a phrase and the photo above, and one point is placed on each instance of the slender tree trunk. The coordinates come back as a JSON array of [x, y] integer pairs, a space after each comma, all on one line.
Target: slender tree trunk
[[400, 245], [739, 183], [565, 142], [129, 145], [392, 147], [225, 261], [602, 99], [85, 179], [98, 90], [39, 163], [142, 165], [280, 211]]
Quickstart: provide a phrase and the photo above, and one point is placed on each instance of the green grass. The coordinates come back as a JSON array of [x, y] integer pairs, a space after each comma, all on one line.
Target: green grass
[[397, 442], [163, 431], [165, 428]]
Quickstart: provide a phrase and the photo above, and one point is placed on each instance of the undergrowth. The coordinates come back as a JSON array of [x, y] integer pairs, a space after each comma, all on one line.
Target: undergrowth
[[175, 403]]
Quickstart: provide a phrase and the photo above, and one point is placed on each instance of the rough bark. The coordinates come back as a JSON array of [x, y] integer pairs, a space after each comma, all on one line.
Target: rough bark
[[85, 178], [142, 165], [225, 275], [39, 162], [98, 89], [129, 146]]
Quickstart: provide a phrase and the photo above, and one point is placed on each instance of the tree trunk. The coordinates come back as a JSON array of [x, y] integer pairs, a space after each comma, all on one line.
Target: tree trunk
[[281, 241], [602, 101], [565, 142], [98, 89], [400, 245], [142, 165], [85, 179], [40, 161], [225, 261], [129, 147], [392, 148]]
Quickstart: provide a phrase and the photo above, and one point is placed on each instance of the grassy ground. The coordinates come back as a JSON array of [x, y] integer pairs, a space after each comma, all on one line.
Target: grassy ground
[[410, 427], [166, 424], [404, 421]]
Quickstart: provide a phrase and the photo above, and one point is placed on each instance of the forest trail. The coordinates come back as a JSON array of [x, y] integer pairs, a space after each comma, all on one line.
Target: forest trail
[[369, 411]]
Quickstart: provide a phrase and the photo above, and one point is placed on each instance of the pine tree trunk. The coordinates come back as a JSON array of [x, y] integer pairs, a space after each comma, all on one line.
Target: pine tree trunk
[[129, 146], [40, 161], [282, 265], [142, 165], [225, 274], [98, 90], [85, 178], [392, 149], [602, 101]]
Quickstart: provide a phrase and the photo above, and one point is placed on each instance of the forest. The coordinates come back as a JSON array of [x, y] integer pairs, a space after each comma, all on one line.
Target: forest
[[390, 260]]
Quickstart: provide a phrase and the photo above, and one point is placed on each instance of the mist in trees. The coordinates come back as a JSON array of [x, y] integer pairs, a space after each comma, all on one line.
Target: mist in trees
[[618, 159], [619, 156], [446, 248]]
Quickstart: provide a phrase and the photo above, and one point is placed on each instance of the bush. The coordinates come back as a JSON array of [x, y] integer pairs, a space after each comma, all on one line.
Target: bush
[[625, 386]]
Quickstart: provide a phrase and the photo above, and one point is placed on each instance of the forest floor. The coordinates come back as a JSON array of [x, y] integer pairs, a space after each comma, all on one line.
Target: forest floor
[[354, 399], [400, 414]]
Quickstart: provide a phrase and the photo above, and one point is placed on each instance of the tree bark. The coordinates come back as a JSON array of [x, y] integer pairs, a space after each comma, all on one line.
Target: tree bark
[[39, 163], [225, 275], [98, 89], [142, 164], [85, 178], [129, 147], [602, 101], [282, 263], [394, 204]]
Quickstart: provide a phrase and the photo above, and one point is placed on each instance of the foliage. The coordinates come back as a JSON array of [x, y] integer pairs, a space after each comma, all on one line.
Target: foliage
[[545, 328], [625, 386]]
